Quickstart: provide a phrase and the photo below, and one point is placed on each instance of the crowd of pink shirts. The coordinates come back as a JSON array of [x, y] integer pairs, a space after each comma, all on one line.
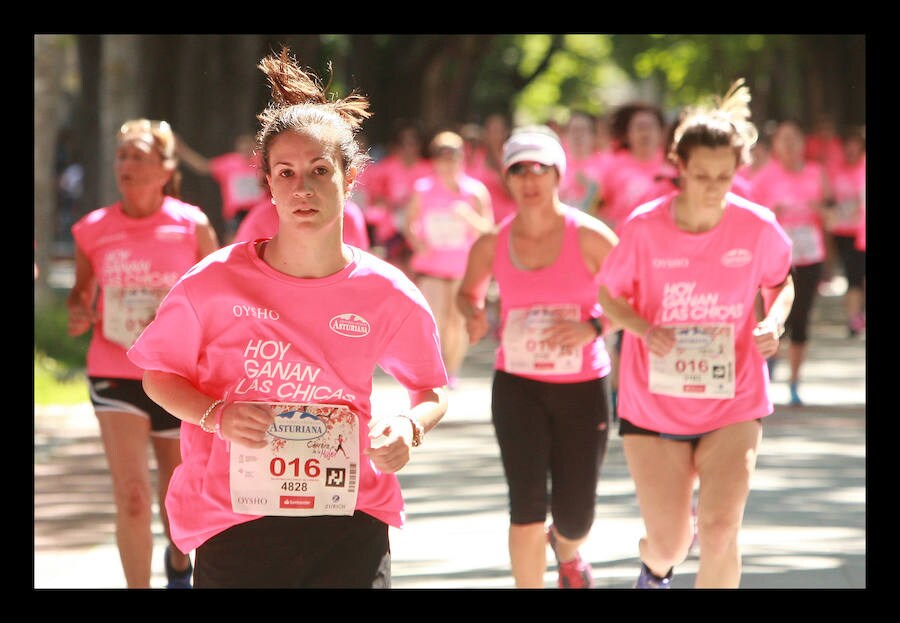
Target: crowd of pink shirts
[[606, 181]]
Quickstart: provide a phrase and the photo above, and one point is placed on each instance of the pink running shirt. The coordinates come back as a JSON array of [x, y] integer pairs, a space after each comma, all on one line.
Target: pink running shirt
[[388, 184], [355, 231], [628, 182], [501, 201], [790, 194], [565, 287], [237, 328], [581, 185], [673, 277], [860, 243], [134, 260], [262, 222], [848, 185], [447, 235], [239, 182]]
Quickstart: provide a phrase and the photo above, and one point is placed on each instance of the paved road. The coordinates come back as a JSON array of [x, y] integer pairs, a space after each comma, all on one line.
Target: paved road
[[805, 524]]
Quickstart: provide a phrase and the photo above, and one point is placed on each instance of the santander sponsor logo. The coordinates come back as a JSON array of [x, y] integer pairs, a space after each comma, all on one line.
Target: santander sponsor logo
[[350, 325], [736, 258]]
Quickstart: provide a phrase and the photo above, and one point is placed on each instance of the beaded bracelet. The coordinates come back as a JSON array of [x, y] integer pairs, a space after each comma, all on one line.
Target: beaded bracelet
[[206, 414]]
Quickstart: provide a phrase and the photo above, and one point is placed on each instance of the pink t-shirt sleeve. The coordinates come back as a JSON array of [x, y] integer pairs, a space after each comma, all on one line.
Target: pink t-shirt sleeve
[[406, 357]]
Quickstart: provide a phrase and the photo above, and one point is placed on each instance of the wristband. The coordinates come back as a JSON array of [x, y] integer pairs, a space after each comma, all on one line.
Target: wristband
[[202, 423], [218, 426], [418, 431], [598, 326], [647, 332]]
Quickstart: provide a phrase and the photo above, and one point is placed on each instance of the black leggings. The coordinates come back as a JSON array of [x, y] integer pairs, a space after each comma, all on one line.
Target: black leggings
[[806, 286], [852, 259], [560, 429], [297, 552]]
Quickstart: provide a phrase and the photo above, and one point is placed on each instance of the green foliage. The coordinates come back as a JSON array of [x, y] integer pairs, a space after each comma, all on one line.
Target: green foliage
[[59, 360], [690, 67], [51, 338], [55, 384], [576, 76]]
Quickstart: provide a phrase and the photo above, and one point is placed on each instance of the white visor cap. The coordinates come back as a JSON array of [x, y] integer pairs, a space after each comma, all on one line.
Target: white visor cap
[[534, 145]]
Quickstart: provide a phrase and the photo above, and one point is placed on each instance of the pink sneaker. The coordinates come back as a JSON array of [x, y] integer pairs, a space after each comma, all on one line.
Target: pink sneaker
[[573, 574]]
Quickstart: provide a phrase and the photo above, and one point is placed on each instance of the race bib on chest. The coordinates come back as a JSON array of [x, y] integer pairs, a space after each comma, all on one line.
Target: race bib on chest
[[701, 365], [127, 310], [308, 466], [445, 230], [808, 245], [847, 213], [525, 349]]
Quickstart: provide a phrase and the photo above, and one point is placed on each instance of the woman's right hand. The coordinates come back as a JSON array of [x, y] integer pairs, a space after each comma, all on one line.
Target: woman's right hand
[[245, 424], [659, 340], [81, 313], [477, 325]]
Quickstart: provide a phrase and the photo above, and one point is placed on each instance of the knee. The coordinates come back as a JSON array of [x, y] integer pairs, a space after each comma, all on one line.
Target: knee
[[672, 545], [573, 528], [718, 535], [133, 499]]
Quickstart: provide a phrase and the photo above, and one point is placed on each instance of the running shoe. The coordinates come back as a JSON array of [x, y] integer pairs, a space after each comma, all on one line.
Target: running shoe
[[856, 325], [178, 579], [575, 573], [795, 396], [647, 580]]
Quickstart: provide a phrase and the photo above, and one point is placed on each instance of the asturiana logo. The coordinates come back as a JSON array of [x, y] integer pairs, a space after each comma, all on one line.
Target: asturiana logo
[[350, 325], [736, 258]]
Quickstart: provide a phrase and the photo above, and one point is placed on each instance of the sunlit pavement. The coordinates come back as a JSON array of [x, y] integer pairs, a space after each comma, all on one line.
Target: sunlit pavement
[[804, 527]]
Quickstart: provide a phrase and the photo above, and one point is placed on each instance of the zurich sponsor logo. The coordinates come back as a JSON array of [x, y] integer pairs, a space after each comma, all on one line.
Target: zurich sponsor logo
[[350, 325], [297, 425], [735, 258]]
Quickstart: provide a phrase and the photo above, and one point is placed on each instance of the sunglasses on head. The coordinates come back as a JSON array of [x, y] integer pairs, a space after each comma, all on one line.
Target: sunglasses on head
[[536, 168]]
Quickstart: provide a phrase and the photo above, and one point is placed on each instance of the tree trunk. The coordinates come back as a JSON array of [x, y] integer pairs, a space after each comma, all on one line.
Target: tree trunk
[[48, 66], [119, 102], [87, 119]]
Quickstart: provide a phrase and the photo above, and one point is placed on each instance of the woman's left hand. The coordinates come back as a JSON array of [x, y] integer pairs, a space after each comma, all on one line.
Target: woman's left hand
[[391, 440], [569, 334], [766, 337]]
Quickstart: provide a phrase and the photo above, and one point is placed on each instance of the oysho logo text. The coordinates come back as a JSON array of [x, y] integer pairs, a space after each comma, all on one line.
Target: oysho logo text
[[248, 311], [670, 262]]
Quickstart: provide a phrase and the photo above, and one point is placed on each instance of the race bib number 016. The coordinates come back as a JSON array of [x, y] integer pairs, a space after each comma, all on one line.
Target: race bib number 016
[[308, 466], [701, 365]]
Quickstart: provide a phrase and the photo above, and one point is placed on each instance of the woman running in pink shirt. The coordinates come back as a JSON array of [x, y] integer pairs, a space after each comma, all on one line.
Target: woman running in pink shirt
[[236, 173], [127, 256], [549, 404], [795, 189], [267, 350], [847, 180], [447, 212], [693, 388]]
